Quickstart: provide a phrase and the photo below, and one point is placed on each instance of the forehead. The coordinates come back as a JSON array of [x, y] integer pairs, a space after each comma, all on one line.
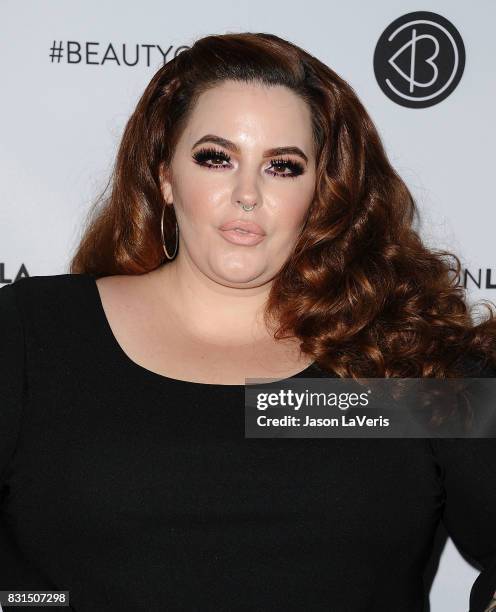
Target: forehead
[[252, 114]]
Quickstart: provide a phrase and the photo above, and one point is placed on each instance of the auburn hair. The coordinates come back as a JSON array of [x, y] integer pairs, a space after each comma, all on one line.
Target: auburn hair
[[360, 290]]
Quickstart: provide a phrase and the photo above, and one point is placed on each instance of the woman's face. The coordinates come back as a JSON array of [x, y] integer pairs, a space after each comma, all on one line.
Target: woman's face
[[209, 181]]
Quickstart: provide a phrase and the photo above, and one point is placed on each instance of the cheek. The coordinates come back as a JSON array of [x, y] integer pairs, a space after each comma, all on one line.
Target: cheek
[[197, 205], [291, 213], [293, 197]]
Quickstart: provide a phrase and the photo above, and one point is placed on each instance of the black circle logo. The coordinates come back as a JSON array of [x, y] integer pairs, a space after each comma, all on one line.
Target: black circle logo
[[419, 59]]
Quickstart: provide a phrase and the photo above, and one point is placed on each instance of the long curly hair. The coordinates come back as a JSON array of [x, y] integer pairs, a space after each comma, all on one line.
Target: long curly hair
[[360, 291]]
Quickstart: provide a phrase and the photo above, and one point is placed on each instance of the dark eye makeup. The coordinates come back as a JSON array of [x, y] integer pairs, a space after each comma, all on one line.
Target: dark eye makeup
[[205, 155]]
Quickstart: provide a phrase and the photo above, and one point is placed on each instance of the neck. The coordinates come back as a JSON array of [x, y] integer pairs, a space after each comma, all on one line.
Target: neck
[[209, 310]]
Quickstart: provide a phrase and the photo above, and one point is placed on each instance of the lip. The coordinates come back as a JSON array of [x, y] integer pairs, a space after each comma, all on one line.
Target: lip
[[234, 237], [243, 224]]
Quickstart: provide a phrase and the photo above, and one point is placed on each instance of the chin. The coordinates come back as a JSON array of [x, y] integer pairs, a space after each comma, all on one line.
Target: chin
[[241, 275]]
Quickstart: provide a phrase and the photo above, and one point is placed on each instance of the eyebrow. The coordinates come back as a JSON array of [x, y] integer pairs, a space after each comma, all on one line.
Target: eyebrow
[[228, 144]]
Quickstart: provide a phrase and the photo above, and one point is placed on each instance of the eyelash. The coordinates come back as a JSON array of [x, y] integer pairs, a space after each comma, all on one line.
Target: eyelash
[[203, 155]]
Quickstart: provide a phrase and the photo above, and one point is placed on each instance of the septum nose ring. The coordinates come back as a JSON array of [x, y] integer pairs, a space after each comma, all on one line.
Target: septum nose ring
[[247, 208]]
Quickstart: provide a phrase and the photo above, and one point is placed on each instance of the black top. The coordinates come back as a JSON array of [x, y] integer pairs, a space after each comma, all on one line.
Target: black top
[[135, 491]]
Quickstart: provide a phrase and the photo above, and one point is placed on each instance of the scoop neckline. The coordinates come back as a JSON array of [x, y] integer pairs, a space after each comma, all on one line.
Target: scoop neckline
[[125, 358]]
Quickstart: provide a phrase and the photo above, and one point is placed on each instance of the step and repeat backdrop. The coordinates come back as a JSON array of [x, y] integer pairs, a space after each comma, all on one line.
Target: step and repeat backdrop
[[72, 73]]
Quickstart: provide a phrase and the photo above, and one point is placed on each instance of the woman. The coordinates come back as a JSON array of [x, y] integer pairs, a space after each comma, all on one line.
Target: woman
[[289, 251]]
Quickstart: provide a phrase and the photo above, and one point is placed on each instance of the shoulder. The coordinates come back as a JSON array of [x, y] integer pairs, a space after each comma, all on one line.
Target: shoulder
[[119, 285], [46, 285], [122, 295], [44, 297]]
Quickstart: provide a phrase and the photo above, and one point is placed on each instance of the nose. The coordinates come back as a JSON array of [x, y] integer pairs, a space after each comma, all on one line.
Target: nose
[[245, 191]]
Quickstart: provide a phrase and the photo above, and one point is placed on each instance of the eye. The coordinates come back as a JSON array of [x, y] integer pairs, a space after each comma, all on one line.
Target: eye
[[295, 167], [204, 155]]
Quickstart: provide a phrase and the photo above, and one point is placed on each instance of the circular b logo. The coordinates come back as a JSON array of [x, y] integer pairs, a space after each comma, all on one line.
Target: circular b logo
[[419, 59]]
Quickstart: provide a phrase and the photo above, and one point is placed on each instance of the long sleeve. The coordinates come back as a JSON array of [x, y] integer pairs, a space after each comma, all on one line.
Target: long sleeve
[[467, 468], [15, 572]]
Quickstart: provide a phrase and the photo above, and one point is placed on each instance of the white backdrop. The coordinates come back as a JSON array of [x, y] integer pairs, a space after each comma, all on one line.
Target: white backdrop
[[61, 122]]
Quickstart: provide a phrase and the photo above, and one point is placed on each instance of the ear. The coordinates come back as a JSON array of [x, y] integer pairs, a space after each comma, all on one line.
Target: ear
[[165, 184]]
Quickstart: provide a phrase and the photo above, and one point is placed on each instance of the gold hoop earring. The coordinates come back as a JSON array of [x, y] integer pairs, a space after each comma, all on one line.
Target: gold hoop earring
[[163, 240]]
